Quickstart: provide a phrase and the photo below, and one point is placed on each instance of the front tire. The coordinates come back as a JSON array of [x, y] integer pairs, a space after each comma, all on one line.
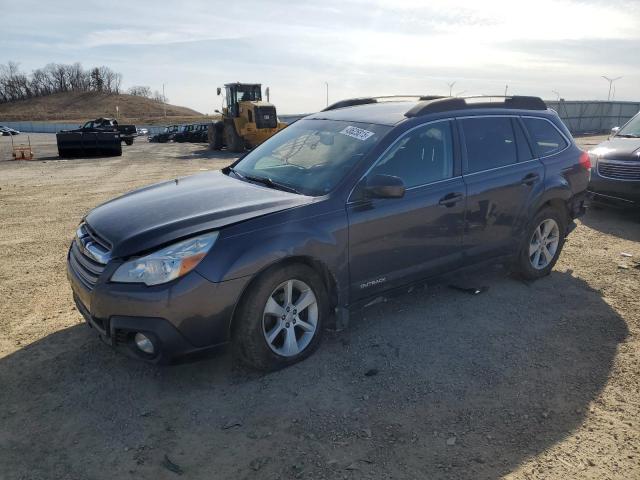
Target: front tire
[[235, 142], [281, 318], [542, 244]]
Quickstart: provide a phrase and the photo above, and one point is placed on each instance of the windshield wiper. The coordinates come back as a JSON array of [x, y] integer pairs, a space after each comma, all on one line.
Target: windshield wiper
[[627, 135], [271, 184], [235, 172]]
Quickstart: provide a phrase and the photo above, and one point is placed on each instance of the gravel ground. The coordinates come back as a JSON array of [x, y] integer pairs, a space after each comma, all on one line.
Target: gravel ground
[[526, 380]]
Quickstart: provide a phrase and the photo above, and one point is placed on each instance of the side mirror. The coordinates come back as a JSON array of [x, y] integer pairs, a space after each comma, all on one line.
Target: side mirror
[[614, 131], [384, 186], [219, 90]]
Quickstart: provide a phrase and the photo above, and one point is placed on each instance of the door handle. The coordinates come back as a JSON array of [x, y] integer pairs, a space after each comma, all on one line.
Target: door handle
[[450, 199], [530, 179]]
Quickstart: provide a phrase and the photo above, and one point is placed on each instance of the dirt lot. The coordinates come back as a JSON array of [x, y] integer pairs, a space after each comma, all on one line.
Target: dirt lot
[[537, 380]]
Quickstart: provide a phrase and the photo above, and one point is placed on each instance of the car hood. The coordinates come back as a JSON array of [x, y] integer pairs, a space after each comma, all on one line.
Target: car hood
[[619, 148], [161, 213]]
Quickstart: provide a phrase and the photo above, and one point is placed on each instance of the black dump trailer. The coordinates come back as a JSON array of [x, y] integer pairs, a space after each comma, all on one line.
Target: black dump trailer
[[101, 137]]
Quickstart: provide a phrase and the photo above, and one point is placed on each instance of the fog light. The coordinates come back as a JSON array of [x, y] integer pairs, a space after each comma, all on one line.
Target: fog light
[[144, 343]]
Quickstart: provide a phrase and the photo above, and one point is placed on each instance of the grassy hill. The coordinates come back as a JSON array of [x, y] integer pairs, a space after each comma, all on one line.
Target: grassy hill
[[79, 107]]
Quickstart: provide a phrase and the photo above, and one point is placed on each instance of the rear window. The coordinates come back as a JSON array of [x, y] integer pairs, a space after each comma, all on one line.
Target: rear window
[[546, 138], [490, 143]]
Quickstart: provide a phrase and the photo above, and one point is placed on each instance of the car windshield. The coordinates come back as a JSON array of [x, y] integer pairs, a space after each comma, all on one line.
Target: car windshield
[[631, 129], [311, 156]]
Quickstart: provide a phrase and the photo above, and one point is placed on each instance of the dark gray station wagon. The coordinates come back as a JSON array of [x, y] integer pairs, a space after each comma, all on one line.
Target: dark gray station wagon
[[365, 197]]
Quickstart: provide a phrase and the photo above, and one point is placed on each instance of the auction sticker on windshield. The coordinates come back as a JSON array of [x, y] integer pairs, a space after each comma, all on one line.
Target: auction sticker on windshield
[[355, 132]]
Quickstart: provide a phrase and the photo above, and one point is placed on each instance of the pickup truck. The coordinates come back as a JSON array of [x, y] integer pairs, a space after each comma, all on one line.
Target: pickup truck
[[102, 136], [127, 132]]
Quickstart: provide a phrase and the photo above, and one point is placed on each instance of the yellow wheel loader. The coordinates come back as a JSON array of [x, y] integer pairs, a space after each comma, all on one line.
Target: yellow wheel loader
[[246, 122]]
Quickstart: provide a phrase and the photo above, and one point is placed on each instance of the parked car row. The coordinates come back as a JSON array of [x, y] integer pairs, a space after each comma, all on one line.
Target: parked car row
[[196, 133]]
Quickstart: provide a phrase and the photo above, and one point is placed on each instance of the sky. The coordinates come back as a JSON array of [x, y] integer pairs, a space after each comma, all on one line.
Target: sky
[[357, 47]]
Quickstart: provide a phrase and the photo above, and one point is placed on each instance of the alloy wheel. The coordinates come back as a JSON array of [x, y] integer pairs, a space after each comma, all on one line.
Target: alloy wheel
[[544, 244], [290, 318]]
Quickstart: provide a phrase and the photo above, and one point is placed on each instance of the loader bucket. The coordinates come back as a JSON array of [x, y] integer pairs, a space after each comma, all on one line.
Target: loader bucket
[[89, 144]]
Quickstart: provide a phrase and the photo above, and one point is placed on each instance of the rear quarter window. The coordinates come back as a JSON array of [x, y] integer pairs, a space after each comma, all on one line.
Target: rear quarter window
[[546, 138]]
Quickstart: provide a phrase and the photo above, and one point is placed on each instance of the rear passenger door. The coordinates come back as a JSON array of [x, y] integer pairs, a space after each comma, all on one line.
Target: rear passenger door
[[502, 177]]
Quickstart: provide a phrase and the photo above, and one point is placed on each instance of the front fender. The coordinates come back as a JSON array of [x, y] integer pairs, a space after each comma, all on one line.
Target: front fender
[[321, 238]]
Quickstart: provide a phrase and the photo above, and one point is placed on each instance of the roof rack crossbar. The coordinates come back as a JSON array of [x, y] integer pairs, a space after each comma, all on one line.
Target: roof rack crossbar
[[486, 101], [351, 102]]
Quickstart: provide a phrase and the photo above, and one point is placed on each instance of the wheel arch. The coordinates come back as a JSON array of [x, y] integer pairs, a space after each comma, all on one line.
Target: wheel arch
[[559, 204], [328, 279]]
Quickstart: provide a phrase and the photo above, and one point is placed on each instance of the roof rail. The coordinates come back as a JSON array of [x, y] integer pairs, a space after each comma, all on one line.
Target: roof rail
[[463, 103], [351, 102]]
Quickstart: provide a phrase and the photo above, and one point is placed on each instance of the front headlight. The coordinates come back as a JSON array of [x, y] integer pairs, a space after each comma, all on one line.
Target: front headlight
[[167, 264]]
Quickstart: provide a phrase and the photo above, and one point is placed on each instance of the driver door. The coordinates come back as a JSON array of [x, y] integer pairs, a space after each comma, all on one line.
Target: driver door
[[395, 241]]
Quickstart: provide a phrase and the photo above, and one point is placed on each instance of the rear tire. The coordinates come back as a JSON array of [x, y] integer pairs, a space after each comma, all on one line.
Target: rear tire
[[128, 141], [542, 244], [270, 332]]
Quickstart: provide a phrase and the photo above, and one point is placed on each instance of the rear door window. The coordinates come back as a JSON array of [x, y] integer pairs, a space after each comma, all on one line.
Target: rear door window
[[490, 143], [546, 138]]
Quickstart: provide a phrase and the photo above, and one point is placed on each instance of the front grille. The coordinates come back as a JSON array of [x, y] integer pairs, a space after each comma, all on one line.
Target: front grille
[[619, 169], [266, 117], [88, 256]]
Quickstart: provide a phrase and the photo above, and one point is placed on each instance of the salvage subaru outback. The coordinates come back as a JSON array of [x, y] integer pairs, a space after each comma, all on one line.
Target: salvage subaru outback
[[368, 196]]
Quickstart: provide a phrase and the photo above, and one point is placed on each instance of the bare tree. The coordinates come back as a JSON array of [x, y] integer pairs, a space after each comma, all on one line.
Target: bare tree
[[158, 97], [117, 82], [140, 91], [56, 78]]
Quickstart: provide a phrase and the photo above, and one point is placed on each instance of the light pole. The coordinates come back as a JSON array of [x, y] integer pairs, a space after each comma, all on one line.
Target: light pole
[[327, 85], [610, 80], [451, 87], [557, 94], [506, 89], [164, 103]]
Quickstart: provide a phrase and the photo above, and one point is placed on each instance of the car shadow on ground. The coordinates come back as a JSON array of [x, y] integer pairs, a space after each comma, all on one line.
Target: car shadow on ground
[[622, 223], [434, 383]]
